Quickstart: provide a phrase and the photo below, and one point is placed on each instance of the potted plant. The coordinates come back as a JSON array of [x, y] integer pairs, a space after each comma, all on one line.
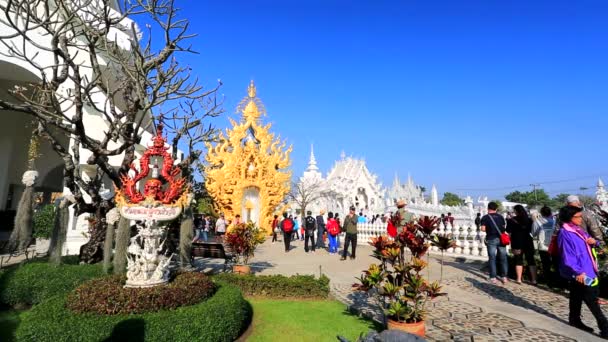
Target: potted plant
[[242, 240], [397, 281]]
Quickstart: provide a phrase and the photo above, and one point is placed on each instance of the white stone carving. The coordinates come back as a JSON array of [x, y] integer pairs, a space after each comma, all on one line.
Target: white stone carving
[[146, 265]]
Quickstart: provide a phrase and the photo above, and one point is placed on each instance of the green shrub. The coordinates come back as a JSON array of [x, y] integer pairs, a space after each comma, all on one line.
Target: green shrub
[[220, 318], [32, 282], [44, 220], [279, 286], [108, 296]]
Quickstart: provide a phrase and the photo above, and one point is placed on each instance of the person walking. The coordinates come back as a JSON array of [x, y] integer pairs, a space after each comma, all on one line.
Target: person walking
[[494, 224], [206, 228], [478, 221], [520, 228], [333, 230], [337, 218], [578, 265], [198, 226], [403, 217], [320, 230], [287, 226], [350, 226], [542, 230], [220, 226], [275, 228], [310, 225], [296, 229]]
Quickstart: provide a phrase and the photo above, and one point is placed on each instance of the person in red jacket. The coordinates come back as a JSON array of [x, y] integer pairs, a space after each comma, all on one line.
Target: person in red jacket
[[333, 229]]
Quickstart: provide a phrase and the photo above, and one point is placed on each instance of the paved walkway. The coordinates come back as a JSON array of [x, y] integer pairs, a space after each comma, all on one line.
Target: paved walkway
[[474, 309]]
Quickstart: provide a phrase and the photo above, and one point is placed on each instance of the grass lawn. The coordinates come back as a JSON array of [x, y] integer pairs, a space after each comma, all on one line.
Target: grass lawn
[[9, 320], [322, 320]]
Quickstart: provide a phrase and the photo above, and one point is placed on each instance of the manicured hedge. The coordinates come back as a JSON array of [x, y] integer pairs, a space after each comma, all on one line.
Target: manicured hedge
[[220, 318], [279, 286], [32, 282], [108, 296]]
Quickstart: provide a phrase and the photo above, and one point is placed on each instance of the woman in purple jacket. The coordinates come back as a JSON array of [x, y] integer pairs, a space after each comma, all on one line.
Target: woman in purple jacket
[[578, 264]]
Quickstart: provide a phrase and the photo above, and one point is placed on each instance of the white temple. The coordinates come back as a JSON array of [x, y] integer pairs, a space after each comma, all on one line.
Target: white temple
[[409, 191], [349, 182]]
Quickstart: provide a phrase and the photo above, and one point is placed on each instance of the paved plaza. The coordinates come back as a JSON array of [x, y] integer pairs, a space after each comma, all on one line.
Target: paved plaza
[[473, 310]]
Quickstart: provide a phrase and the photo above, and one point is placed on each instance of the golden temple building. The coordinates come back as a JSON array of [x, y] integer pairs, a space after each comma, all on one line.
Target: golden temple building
[[247, 172]]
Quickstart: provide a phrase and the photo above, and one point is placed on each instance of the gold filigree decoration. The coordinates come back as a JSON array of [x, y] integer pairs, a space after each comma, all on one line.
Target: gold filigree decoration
[[249, 155]]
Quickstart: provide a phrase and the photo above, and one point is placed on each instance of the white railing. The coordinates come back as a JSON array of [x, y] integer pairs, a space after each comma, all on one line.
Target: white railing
[[470, 243]]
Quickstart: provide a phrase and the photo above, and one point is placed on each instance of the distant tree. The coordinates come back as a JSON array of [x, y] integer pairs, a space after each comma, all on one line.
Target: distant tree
[[559, 200], [304, 193], [531, 198], [499, 202], [422, 189], [451, 199]]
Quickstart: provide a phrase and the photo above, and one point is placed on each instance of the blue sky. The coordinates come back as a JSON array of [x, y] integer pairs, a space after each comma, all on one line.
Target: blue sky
[[483, 95]]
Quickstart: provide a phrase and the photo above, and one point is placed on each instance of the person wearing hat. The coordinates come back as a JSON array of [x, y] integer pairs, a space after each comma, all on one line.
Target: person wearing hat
[[320, 229], [589, 223], [350, 226], [310, 225], [403, 216]]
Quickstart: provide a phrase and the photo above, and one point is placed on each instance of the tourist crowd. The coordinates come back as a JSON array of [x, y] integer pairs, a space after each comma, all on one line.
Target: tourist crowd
[[567, 244]]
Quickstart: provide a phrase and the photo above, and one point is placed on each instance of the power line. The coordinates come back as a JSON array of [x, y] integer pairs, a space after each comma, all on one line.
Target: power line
[[537, 183]]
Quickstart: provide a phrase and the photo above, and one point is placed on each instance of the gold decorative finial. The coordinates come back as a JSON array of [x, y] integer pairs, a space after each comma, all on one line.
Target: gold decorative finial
[[251, 89]]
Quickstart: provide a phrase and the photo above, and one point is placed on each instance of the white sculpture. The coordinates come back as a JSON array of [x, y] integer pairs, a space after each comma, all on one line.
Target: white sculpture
[[146, 265]]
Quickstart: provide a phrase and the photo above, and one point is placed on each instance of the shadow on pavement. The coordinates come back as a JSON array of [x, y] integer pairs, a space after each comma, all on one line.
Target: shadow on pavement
[[503, 294]]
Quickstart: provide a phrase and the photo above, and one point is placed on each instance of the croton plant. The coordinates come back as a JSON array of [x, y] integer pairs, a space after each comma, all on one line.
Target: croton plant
[[397, 281], [243, 239]]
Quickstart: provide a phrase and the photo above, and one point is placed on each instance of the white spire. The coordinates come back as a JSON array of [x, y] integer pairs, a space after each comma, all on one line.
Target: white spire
[[434, 196], [600, 184], [396, 181], [312, 164], [342, 155]]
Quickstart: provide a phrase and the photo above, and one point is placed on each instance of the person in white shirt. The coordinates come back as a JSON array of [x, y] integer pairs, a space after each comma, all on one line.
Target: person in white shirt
[[220, 225]]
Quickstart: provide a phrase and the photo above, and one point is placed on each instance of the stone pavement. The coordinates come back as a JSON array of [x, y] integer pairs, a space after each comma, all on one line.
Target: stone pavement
[[473, 310]]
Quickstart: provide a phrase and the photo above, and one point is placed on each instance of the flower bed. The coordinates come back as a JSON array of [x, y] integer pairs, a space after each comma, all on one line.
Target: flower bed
[[108, 296], [222, 317]]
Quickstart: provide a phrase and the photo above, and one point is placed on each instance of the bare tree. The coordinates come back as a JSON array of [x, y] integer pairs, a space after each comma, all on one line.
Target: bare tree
[[91, 58], [186, 126], [304, 193]]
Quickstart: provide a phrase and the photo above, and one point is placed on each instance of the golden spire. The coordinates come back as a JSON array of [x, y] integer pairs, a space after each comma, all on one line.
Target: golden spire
[[251, 90], [239, 166], [250, 106]]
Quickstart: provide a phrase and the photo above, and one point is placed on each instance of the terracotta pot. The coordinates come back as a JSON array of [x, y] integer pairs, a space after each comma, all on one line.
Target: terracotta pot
[[241, 269], [412, 328]]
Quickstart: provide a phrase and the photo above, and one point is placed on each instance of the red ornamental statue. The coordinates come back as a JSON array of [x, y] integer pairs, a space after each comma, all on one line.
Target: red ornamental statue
[[153, 188]]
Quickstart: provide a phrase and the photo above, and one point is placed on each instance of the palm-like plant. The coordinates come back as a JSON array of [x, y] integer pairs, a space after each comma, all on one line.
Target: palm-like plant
[[443, 242], [397, 280]]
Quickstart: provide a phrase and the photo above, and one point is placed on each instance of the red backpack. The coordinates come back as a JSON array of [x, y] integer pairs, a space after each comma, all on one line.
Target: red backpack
[[333, 228], [287, 225]]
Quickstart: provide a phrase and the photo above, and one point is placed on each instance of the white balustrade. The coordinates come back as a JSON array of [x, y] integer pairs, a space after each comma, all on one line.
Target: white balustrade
[[470, 242]]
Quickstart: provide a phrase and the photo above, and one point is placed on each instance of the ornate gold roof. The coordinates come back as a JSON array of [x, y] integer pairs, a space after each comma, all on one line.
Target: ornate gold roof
[[248, 155]]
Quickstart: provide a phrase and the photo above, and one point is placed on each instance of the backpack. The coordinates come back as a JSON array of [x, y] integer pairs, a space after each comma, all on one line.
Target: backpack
[[310, 223], [333, 228], [287, 225]]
